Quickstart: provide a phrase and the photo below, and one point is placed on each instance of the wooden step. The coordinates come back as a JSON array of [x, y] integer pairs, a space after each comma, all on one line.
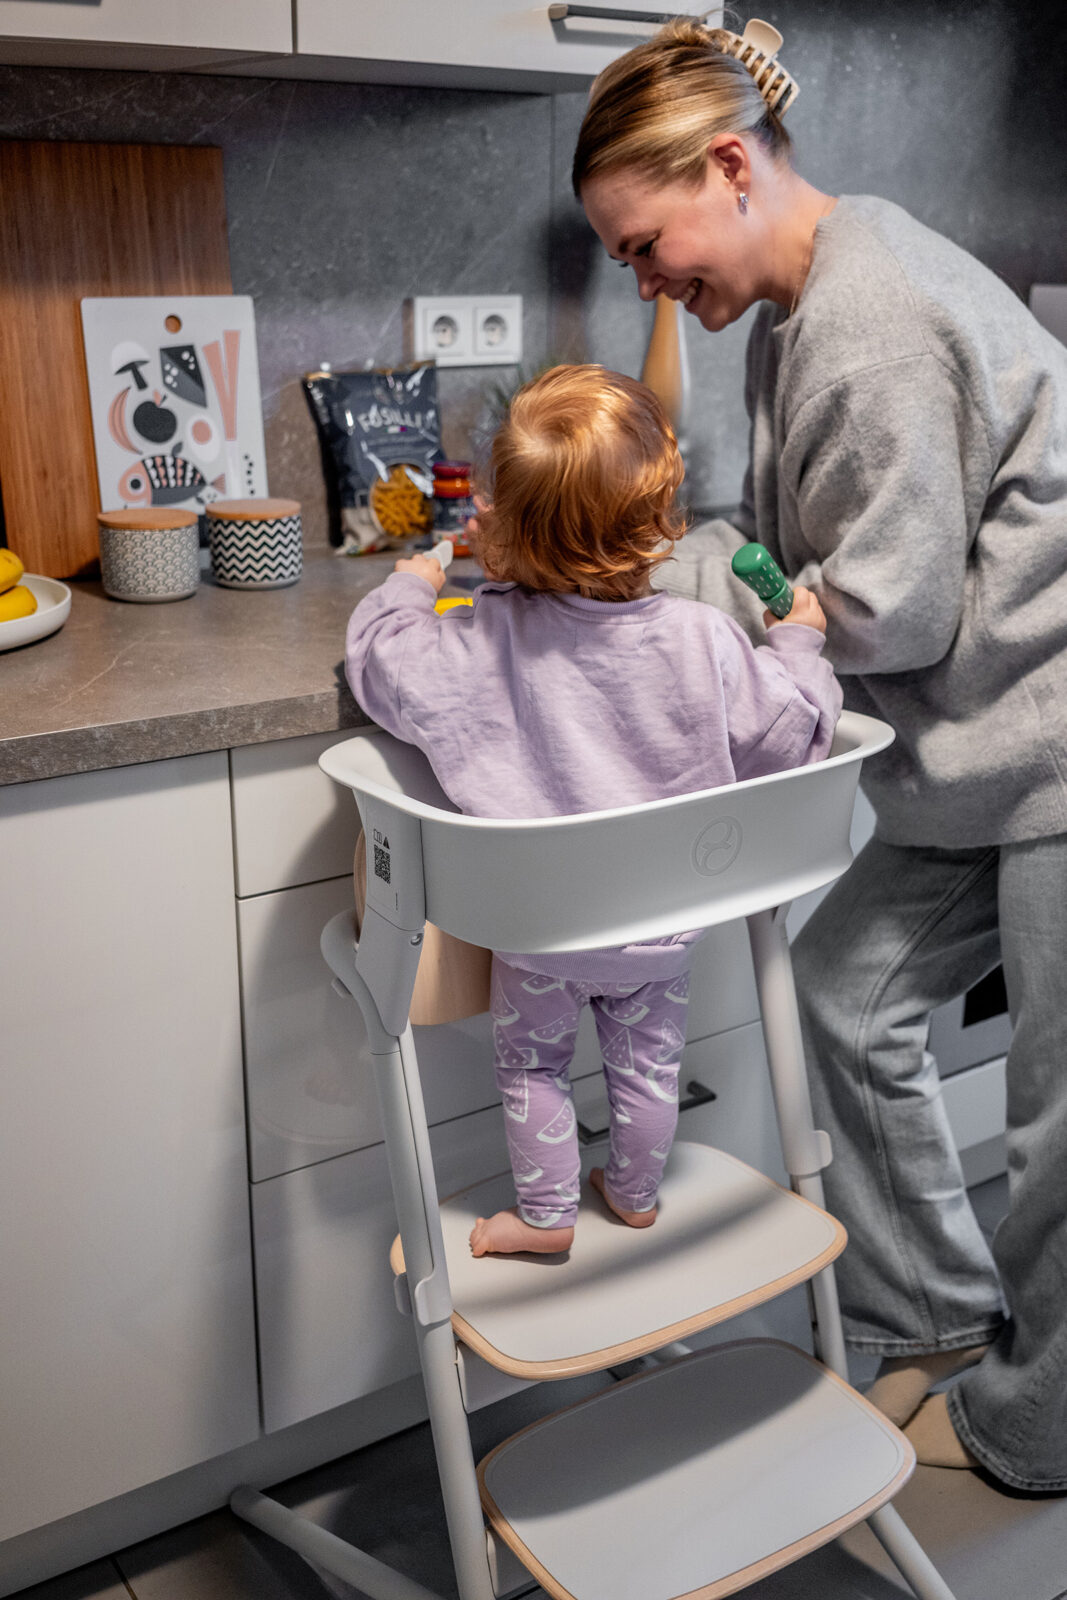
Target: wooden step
[[726, 1238], [693, 1480]]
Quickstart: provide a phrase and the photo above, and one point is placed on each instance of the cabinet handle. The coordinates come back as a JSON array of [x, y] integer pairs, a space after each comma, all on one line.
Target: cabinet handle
[[696, 1094], [557, 13]]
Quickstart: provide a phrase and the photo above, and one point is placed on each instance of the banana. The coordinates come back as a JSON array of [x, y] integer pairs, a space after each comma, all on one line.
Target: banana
[[17, 601], [11, 570]]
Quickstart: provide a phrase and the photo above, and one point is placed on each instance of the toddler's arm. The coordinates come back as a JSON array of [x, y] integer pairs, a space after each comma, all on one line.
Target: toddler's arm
[[428, 567], [379, 632], [782, 698]]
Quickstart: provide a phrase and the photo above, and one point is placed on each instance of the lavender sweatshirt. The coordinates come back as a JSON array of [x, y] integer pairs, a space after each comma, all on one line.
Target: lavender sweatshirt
[[533, 705]]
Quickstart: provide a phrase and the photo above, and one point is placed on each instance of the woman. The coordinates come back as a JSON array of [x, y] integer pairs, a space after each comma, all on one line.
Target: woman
[[909, 465]]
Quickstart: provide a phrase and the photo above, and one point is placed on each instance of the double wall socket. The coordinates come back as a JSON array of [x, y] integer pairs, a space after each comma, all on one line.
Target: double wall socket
[[468, 330]]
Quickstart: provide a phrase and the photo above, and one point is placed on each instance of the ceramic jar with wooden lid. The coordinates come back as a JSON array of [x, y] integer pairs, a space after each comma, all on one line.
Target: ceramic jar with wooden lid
[[255, 544], [149, 554]]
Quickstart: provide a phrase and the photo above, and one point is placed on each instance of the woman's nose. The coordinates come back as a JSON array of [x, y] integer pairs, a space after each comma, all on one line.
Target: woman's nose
[[649, 282]]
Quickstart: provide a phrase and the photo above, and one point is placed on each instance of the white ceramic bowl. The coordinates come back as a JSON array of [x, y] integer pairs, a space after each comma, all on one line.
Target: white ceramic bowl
[[53, 609]]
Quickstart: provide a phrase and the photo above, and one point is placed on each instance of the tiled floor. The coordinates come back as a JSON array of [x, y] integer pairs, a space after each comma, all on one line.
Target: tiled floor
[[989, 1543]]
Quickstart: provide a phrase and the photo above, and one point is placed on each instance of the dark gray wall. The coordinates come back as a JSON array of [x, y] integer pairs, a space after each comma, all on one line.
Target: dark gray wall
[[343, 200]]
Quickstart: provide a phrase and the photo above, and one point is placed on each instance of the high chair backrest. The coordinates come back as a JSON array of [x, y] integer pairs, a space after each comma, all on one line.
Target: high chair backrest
[[603, 877]]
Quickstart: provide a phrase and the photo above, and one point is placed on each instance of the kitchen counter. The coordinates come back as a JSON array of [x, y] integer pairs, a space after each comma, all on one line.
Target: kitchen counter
[[123, 683]]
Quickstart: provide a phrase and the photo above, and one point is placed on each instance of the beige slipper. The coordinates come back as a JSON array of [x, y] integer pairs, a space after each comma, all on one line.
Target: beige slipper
[[936, 1441], [903, 1382]]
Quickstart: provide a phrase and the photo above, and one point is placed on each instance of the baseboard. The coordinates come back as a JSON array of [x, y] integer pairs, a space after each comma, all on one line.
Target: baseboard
[[101, 1530]]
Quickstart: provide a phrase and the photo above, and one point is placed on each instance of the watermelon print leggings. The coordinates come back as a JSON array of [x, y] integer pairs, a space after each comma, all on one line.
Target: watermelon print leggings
[[641, 1029]]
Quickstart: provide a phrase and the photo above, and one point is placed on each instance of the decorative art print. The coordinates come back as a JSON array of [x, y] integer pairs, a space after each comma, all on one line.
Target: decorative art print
[[174, 392]]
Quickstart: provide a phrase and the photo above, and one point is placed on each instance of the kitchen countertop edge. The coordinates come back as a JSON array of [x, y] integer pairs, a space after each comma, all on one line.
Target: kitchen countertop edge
[[153, 683], [80, 750]]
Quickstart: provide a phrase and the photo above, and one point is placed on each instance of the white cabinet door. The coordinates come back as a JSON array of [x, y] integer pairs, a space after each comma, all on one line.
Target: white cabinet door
[[465, 44], [141, 32], [126, 1317]]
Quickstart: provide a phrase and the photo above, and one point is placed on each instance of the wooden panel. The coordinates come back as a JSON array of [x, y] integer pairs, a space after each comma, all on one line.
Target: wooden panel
[[76, 220]]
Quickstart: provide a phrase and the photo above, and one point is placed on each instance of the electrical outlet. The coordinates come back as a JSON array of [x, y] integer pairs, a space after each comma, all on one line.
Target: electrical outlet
[[468, 330]]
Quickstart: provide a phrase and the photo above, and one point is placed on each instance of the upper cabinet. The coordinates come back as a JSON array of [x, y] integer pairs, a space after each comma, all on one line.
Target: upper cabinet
[[468, 44], [461, 44], [146, 34]]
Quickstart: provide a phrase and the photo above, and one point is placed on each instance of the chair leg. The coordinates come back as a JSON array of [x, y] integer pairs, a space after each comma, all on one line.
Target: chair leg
[[324, 1549], [901, 1545], [806, 1151], [455, 1463]]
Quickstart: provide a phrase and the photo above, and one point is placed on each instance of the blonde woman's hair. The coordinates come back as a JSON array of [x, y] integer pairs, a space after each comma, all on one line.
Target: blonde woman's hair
[[655, 110], [581, 486]]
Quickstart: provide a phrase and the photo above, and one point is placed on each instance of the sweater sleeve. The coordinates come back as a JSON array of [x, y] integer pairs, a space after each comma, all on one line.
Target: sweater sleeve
[[875, 463], [700, 570], [379, 632], [782, 698]]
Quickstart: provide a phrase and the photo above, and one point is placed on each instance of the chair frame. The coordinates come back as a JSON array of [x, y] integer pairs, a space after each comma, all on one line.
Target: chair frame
[[431, 864]]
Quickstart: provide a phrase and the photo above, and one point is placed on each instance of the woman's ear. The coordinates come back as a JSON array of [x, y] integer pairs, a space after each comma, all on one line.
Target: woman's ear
[[728, 159]]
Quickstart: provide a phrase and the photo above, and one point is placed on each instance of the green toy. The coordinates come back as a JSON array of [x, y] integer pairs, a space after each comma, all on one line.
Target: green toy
[[757, 567]]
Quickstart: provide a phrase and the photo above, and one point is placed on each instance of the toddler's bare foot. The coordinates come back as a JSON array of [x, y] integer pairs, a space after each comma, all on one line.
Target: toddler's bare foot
[[505, 1234], [633, 1219]]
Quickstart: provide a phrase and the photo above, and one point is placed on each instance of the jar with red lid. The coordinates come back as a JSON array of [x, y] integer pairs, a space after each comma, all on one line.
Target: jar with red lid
[[453, 503]]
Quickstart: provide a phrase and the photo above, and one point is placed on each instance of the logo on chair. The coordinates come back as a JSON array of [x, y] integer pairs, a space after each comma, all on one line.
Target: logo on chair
[[717, 846]]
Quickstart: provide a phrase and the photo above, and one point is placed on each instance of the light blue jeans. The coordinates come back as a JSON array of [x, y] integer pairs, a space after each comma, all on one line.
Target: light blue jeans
[[904, 931]]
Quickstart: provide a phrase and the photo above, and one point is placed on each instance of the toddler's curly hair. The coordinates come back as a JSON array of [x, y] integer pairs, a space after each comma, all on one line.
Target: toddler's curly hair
[[580, 486]]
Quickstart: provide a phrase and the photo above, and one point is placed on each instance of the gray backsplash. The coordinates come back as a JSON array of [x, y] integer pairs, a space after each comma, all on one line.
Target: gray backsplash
[[343, 200]]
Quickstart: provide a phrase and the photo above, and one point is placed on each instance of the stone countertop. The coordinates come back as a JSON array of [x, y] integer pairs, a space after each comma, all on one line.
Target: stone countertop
[[122, 683]]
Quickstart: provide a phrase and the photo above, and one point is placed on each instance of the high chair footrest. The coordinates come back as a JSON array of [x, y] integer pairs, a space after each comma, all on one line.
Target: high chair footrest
[[726, 1238], [692, 1480]]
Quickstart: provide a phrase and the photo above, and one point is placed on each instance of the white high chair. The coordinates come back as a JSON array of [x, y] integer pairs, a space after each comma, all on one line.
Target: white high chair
[[714, 1467]]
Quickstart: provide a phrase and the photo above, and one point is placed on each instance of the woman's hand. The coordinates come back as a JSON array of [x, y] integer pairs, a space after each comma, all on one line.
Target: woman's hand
[[427, 567], [805, 609]]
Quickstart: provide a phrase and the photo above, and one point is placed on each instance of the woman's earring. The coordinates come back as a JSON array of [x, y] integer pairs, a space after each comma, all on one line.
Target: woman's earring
[[742, 203]]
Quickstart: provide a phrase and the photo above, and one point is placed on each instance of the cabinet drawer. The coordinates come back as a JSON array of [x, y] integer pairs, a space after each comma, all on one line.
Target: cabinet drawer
[[329, 1329], [468, 43], [291, 823], [310, 1080], [722, 990], [201, 30]]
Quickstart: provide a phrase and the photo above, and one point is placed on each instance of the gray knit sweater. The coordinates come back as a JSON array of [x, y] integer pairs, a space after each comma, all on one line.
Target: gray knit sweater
[[909, 464]]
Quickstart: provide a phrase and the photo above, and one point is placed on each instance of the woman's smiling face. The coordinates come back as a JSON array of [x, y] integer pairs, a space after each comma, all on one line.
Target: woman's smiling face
[[691, 243]]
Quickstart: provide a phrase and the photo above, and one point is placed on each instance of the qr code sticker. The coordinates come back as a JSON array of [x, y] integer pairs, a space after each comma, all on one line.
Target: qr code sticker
[[381, 864]]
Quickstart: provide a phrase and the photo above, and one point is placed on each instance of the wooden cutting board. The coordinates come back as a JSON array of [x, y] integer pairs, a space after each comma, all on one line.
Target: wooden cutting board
[[77, 220]]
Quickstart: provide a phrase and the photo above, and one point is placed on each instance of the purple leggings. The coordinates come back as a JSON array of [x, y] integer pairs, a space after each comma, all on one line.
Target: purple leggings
[[641, 1029]]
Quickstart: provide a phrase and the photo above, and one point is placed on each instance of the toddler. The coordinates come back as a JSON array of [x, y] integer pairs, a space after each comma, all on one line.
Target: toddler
[[572, 686]]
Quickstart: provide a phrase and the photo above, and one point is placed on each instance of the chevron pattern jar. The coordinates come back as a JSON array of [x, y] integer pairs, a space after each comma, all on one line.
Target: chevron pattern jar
[[255, 544], [149, 555]]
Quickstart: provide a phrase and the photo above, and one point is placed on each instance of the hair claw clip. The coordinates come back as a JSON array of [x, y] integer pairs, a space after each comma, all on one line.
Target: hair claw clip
[[757, 50]]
